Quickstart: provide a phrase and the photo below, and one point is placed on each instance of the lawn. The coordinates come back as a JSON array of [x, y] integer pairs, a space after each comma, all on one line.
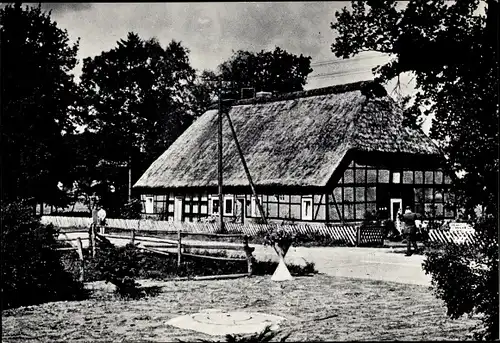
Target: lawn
[[318, 307]]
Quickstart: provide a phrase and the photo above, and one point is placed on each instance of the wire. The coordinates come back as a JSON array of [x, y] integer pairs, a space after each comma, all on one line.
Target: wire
[[326, 75], [337, 61]]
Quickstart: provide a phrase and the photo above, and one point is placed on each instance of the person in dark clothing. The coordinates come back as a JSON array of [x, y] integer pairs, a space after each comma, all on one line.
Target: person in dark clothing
[[410, 229]]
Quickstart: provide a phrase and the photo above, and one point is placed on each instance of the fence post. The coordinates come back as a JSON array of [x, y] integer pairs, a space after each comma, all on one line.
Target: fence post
[[248, 253], [358, 236], [92, 239], [179, 247], [80, 255], [132, 236], [92, 232]]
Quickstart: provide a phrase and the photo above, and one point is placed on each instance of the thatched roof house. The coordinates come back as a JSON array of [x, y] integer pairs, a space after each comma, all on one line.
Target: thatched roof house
[[295, 141]]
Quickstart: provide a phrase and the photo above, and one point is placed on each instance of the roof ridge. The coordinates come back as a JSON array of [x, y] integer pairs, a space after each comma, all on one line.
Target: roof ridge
[[367, 88]]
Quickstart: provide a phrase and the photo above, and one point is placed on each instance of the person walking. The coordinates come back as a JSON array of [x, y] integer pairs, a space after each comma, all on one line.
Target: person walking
[[410, 229]]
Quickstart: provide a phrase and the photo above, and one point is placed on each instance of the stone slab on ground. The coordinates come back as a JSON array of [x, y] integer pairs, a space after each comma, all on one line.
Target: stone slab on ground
[[220, 323]]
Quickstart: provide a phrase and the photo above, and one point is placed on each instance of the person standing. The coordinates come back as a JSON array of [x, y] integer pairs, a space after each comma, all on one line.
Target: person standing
[[411, 229]]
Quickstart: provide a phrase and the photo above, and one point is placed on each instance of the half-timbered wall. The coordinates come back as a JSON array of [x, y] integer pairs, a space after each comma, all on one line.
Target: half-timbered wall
[[360, 190], [365, 189]]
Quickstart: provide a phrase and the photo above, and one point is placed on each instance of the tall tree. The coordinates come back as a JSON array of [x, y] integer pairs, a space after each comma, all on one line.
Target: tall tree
[[37, 93], [137, 97], [272, 71], [452, 49]]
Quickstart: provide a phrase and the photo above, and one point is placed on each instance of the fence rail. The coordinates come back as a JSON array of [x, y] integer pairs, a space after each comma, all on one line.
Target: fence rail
[[346, 233]]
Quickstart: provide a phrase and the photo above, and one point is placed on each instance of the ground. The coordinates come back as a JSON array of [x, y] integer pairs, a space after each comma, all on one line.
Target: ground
[[360, 294], [320, 307]]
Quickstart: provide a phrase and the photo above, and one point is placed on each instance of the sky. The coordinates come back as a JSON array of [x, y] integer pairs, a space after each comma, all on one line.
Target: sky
[[212, 31]]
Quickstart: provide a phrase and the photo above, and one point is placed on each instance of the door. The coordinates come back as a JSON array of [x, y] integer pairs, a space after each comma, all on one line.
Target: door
[[178, 209], [396, 205], [240, 205]]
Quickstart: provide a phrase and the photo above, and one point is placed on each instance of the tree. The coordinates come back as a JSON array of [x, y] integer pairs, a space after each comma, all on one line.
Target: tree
[[137, 99], [37, 93], [272, 71], [451, 48], [32, 270]]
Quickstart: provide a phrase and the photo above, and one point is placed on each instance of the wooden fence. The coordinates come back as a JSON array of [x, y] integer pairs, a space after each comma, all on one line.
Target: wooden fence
[[347, 233], [74, 244], [164, 247], [453, 236]]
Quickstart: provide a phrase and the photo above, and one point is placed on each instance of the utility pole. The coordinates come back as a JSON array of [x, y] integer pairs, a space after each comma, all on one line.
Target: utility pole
[[129, 178], [219, 148], [245, 167]]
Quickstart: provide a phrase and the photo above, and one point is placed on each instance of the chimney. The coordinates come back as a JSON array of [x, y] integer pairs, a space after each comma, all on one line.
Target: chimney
[[264, 95]]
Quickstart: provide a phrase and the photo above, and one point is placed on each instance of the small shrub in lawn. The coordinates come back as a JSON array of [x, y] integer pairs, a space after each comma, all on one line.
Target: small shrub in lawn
[[266, 335], [268, 268], [117, 265]]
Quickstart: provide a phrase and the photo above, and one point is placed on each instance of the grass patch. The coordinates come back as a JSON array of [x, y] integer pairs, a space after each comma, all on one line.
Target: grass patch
[[321, 308]]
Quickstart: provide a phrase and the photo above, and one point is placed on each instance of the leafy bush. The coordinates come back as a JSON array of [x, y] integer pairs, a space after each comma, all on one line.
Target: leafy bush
[[32, 271], [280, 236], [268, 268], [116, 265], [466, 277], [150, 265], [266, 335], [310, 239], [131, 209]]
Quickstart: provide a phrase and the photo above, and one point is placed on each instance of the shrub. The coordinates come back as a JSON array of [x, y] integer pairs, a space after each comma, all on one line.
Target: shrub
[[466, 277], [268, 268], [131, 209], [116, 265], [32, 271], [266, 335]]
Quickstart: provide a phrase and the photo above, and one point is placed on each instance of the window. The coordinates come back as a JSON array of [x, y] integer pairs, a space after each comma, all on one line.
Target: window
[[203, 209], [428, 177], [282, 197], [407, 176], [371, 193], [360, 211], [371, 176], [149, 204], [349, 176], [348, 194], [360, 175], [396, 177], [360, 194], [254, 207], [272, 209], [419, 177], [383, 176], [228, 206], [214, 206], [438, 177], [307, 208]]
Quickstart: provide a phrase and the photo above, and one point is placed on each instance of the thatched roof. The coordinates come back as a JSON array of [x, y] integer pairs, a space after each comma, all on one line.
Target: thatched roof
[[298, 139]]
